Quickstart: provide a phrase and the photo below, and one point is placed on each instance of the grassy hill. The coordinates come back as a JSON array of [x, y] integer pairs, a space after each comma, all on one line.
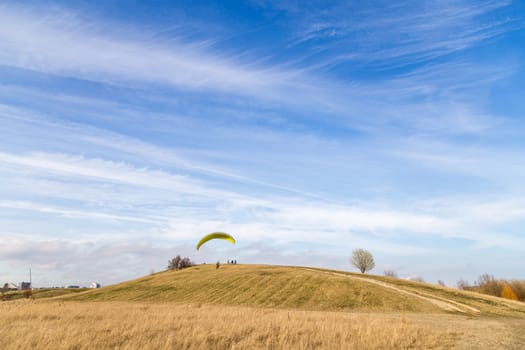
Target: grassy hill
[[299, 288]]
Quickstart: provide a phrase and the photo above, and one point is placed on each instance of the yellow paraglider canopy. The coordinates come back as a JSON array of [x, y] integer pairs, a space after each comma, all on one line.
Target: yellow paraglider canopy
[[215, 235]]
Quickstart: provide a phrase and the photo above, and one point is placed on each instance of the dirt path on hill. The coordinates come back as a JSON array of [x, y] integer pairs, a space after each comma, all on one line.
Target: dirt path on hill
[[442, 303]]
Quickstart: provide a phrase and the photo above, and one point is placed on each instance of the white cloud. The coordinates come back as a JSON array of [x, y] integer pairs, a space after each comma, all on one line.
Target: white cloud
[[271, 216], [62, 43], [62, 262], [68, 213], [112, 172], [400, 33]]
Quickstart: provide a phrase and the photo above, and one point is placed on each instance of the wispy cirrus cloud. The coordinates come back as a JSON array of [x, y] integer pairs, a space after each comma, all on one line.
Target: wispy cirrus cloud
[[275, 213], [68, 213], [399, 33], [65, 45]]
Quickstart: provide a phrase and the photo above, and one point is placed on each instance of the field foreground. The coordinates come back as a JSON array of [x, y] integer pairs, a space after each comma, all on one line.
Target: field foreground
[[264, 307], [140, 325]]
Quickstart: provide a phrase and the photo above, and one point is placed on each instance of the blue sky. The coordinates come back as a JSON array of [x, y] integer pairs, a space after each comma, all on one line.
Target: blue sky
[[130, 129]]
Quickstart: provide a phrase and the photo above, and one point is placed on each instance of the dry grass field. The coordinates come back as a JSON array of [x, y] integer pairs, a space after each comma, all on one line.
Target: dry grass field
[[54, 325], [264, 307], [139, 325], [44, 293]]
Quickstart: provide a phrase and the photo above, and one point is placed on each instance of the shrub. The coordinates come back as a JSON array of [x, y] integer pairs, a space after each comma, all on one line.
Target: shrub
[[417, 279], [519, 288], [507, 292], [5, 293], [28, 293], [390, 273], [489, 285], [463, 284]]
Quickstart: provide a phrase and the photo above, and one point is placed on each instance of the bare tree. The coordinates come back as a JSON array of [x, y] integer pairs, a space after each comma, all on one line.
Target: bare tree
[[417, 279], [390, 273], [441, 283], [178, 263], [185, 262], [489, 285], [363, 260], [174, 263]]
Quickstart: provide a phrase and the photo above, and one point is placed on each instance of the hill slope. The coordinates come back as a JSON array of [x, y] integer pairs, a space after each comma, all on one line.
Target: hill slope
[[299, 288]]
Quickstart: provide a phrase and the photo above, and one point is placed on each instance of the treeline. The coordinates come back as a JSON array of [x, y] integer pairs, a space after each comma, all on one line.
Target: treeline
[[487, 284]]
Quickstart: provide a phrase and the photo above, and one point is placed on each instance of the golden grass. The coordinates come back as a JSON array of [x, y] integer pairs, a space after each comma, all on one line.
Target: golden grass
[[293, 288], [44, 293], [126, 325], [262, 307], [259, 286], [487, 304]]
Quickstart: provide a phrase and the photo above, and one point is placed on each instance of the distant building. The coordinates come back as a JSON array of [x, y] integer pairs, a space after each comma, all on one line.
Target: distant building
[[10, 286], [95, 285], [24, 285], [73, 286]]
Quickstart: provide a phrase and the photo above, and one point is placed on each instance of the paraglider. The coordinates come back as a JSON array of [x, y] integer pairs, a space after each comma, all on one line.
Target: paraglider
[[215, 235]]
